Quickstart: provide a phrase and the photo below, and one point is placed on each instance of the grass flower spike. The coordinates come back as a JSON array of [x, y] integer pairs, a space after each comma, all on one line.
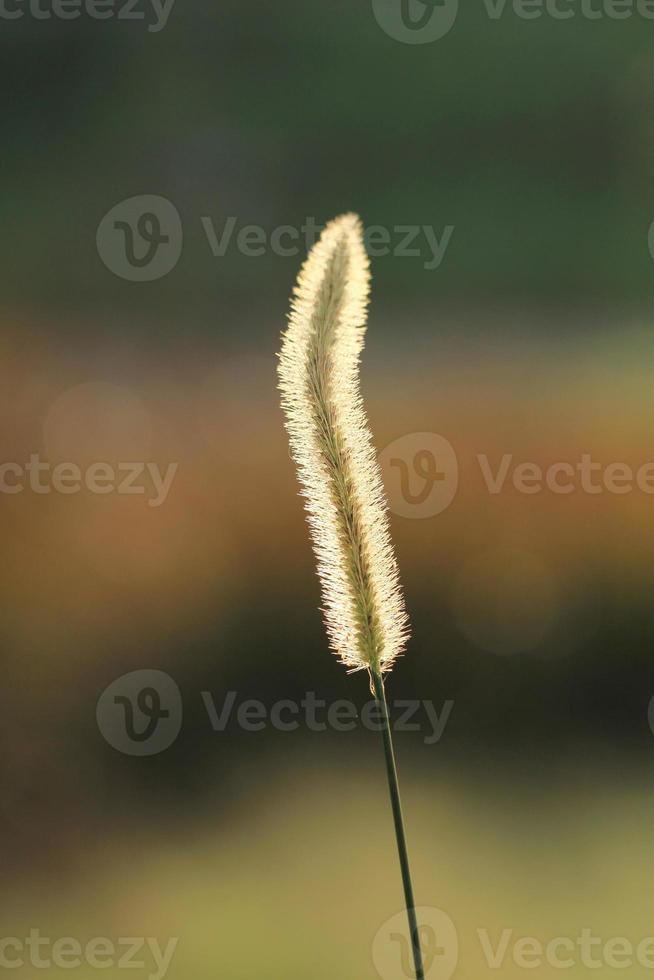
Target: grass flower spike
[[332, 446], [341, 480]]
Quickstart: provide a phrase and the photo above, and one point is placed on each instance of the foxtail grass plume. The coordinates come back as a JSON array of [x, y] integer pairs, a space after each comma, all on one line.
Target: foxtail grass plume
[[341, 481], [332, 446]]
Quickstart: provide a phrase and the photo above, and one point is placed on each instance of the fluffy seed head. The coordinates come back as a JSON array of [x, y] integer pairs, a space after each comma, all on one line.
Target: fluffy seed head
[[332, 447]]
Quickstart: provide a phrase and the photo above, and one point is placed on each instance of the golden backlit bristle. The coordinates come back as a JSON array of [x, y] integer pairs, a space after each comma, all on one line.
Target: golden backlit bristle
[[332, 446]]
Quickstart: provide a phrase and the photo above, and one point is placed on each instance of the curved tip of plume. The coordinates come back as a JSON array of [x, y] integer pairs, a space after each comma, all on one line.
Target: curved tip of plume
[[332, 447]]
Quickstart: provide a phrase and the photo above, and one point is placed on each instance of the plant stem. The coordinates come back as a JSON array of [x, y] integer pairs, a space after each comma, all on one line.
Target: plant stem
[[391, 770]]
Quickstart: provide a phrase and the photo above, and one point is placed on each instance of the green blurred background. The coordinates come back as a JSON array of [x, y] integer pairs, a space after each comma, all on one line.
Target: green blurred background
[[270, 854]]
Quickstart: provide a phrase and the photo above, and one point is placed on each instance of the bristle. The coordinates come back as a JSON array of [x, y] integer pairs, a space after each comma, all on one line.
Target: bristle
[[332, 446]]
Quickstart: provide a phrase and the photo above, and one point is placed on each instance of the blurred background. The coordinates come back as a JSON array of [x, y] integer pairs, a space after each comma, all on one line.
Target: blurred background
[[270, 853]]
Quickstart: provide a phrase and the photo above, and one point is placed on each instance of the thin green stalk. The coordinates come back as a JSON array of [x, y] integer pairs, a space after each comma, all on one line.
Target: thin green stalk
[[396, 804]]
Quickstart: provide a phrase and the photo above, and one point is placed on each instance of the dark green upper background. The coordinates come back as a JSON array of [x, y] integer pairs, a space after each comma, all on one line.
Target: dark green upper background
[[534, 138]]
